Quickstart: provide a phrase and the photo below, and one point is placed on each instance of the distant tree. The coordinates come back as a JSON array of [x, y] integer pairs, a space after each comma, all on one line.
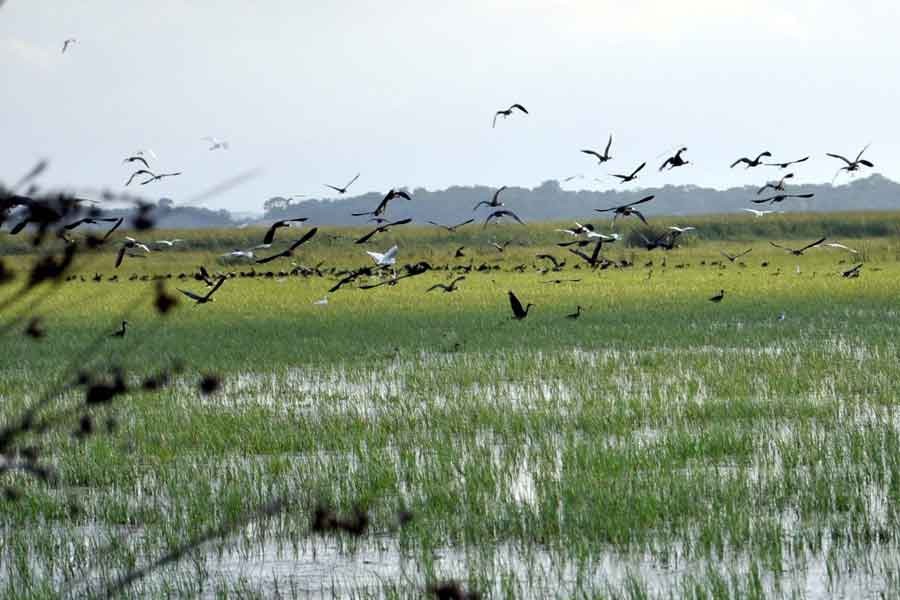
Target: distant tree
[[166, 204], [276, 203]]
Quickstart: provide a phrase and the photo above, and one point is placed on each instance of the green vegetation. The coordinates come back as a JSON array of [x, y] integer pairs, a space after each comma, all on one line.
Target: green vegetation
[[659, 446]]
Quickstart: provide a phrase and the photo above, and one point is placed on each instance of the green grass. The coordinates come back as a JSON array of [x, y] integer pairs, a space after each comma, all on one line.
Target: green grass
[[660, 446]]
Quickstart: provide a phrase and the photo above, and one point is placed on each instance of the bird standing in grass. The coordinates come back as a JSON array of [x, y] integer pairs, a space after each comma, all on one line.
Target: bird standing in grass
[[519, 313], [120, 332], [718, 297]]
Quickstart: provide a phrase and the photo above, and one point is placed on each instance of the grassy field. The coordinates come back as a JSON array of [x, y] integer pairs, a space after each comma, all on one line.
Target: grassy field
[[659, 446]]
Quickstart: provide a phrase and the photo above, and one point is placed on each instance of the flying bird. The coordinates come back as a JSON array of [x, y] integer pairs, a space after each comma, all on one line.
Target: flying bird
[[136, 158], [167, 243], [734, 257], [379, 210], [290, 250], [448, 287], [129, 244], [380, 229], [785, 165], [270, 234], [855, 164], [632, 176], [754, 162], [760, 213], [778, 186], [67, 43], [507, 112], [781, 198], [90, 221], [452, 228], [519, 313], [208, 297], [494, 201], [627, 210], [497, 214], [601, 158], [852, 272], [342, 190], [675, 161], [216, 144], [800, 251], [841, 247], [593, 259], [384, 259], [138, 173]]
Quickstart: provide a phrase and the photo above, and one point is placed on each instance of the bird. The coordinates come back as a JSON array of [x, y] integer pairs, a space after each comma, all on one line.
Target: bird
[[270, 233], [755, 162], [852, 272], [680, 230], [601, 158], [718, 297], [497, 214], [853, 165], [159, 177], [322, 302], [90, 221], [384, 259], [800, 251], [626, 210], [778, 186], [575, 314], [507, 112], [500, 246], [734, 257], [675, 161], [138, 173], [557, 264], [237, 254], [380, 229], [459, 253], [216, 144], [136, 158], [129, 244], [66, 43], [449, 287], [760, 213], [785, 165], [452, 228], [120, 332], [379, 210], [593, 259], [781, 198], [841, 247], [632, 176], [494, 201], [208, 297], [579, 229], [290, 250], [519, 313], [342, 190], [167, 243]]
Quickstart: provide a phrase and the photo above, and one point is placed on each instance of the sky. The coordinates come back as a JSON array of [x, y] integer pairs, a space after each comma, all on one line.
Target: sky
[[308, 93]]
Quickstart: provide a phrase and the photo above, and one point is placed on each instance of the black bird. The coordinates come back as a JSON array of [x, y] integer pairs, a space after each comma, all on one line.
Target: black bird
[[800, 251], [90, 221], [557, 264], [120, 332], [159, 177], [459, 253], [519, 313], [138, 173], [208, 297], [626, 210], [594, 259], [785, 165], [507, 112], [718, 297], [379, 210], [755, 162], [290, 251], [449, 287], [601, 158], [342, 190], [575, 314], [502, 213], [350, 277], [852, 271], [495, 199], [382, 228], [778, 186], [854, 164], [732, 258], [141, 159], [452, 228], [666, 241], [781, 198], [632, 176], [118, 224], [675, 161], [270, 234]]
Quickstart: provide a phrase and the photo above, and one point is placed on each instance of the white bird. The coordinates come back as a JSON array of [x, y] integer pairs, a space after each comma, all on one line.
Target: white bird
[[216, 143], [760, 213], [681, 230], [148, 152], [133, 243], [167, 243], [841, 246], [68, 43], [602, 236], [322, 302], [384, 260], [578, 230], [239, 255]]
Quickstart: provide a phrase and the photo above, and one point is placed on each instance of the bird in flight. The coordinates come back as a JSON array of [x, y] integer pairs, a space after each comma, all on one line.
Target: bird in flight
[[519, 312], [382, 206], [494, 201], [855, 164], [785, 165], [497, 214], [632, 176], [754, 162], [626, 210], [342, 190], [760, 213], [290, 250], [137, 158], [594, 259], [270, 234], [734, 257], [384, 259], [507, 112], [778, 186], [381, 228], [601, 158], [781, 198], [216, 144], [90, 221], [800, 251], [129, 244], [447, 287], [675, 161], [68, 43], [841, 247], [452, 228], [206, 298]]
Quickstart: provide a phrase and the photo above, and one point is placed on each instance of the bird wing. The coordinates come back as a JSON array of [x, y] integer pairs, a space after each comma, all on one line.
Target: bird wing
[[270, 234], [463, 223], [520, 107], [638, 170], [120, 256], [728, 256], [608, 145], [640, 216], [263, 261], [391, 253], [306, 237], [663, 166], [190, 295], [400, 222], [782, 247], [337, 189], [762, 201], [593, 153], [366, 237], [480, 203], [764, 188], [813, 245], [809, 195], [739, 161], [761, 154], [859, 156], [497, 195], [218, 284], [74, 224], [349, 183], [641, 201], [511, 214], [515, 304], [438, 225], [496, 114], [838, 156], [863, 161], [119, 222], [436, 286], [794, 162]]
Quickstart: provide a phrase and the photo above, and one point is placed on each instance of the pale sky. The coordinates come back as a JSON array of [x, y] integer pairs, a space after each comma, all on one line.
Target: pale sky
[[404, 92]]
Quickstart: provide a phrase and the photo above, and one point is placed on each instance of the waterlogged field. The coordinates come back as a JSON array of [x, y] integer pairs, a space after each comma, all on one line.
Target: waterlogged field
[[658, 446]]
